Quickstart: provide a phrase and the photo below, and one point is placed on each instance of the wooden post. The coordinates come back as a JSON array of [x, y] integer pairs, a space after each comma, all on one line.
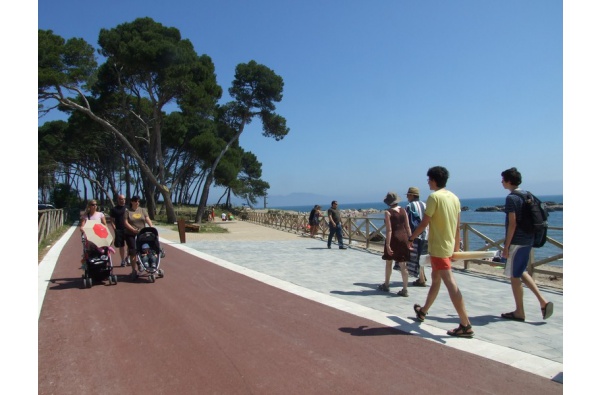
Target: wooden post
[[181, 228]]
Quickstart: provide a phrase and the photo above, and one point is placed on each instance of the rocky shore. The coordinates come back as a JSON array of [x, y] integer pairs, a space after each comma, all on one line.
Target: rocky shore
[[550, 206]]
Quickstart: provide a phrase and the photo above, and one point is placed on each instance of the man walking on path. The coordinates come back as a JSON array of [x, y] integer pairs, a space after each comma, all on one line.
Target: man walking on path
[[416, 212], [517, 248], [335, 225], [443, 217], [117, 216]]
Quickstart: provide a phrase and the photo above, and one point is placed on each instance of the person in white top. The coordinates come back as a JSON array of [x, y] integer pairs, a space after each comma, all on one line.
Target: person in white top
[[92, 213]]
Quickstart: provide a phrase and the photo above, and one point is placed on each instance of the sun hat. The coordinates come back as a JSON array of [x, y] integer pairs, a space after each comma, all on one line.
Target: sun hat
[[145, 246], [391, 198], [413, 191]]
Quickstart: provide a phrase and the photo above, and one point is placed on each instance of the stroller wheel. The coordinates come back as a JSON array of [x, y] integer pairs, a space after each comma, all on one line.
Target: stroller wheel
[[88, 282], [161, 274], [151, 278], [84, 280], [114, 279]]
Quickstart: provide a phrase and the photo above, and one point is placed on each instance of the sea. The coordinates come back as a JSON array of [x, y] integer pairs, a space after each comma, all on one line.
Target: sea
[[555, 220]]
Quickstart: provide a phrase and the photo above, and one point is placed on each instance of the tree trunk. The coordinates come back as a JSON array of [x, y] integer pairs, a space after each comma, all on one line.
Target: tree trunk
[[204, 198], [146, 171]]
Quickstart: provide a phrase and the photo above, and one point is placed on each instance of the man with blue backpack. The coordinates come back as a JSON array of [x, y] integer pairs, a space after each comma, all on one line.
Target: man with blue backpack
[[524, 212], [416, 210]]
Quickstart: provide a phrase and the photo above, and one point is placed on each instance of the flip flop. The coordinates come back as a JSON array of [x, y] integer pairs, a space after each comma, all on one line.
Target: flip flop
[[547, 310], [512, 316]]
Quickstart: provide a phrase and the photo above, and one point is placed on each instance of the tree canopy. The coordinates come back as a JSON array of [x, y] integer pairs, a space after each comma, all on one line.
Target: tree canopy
[[153, 104]]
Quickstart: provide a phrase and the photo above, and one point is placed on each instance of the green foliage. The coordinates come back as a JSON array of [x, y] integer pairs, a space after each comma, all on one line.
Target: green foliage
[[64, 196], [66, 63], [153, 59], [119, 129], [256, 86]]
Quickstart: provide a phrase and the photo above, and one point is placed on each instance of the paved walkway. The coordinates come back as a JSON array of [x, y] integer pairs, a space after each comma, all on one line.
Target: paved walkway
[[205, 324], [347, 280]]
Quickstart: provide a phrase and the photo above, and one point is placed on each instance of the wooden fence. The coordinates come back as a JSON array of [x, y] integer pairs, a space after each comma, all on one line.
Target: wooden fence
[[369, 232], [48, 222]]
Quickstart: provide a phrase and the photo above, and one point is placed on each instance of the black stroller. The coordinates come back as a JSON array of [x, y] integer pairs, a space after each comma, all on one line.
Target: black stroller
[[150, 263], [97, 264]]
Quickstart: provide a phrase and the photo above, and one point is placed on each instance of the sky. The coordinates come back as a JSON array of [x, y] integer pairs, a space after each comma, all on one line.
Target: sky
[[376, 93]]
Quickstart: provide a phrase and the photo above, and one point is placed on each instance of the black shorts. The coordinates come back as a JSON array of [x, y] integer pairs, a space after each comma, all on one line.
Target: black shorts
[[130, 239], [120, 238]]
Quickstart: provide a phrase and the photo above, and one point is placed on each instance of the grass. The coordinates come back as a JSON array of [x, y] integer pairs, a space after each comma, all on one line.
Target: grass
[[49, 241]]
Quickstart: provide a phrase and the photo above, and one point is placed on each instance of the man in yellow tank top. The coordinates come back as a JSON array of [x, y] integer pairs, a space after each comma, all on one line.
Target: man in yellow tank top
[[443, 217]]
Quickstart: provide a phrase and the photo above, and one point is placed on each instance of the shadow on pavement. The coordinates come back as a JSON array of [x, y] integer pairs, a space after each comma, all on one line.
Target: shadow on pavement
[[363, 330]]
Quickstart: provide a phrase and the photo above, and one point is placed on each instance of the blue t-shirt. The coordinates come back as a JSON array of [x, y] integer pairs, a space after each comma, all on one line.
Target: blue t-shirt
[[515, 204]]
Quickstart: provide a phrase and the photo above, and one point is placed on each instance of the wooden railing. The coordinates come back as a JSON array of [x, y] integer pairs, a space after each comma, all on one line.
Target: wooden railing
[[369, 233], [469, 227], [48, 222]]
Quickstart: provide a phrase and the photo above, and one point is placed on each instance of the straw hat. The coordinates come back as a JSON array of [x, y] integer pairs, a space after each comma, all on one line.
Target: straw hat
[[413, 191], [391, 198]]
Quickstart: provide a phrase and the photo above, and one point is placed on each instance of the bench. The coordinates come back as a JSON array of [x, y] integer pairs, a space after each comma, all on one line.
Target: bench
[[192, 228]]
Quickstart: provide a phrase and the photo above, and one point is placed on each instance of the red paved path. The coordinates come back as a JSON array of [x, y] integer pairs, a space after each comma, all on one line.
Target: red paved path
[[203, 329]]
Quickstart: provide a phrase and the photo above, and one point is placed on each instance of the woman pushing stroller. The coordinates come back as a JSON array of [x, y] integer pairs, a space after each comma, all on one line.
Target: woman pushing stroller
[[136, 218]]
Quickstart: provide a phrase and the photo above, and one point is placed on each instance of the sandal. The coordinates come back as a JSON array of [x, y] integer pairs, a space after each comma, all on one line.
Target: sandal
[[461, 331], [547, 310], [418, 283], [420, 313], [383, 287], [512, 316], [403, 292]]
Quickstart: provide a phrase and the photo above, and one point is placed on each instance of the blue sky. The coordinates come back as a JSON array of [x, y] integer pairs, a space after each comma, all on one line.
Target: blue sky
[[377, 92]]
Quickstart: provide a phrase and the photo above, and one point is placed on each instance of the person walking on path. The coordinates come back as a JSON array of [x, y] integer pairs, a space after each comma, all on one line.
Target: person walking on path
[[443, 217], [335, 225], [91, 212], [396, 248], [136, 219], [117, 215], [416, 211], [517, 249], [313, 220]]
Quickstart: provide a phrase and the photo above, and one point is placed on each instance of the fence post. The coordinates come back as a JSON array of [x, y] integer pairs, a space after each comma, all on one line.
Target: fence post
[[181, 228]]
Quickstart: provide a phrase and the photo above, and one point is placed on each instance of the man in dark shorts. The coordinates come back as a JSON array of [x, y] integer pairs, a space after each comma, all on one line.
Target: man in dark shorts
[[335, 225], [517, 249], [117, 216]]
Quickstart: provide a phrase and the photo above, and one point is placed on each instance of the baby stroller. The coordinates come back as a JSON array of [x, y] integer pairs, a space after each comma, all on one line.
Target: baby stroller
[[97, 264], [148, 238]]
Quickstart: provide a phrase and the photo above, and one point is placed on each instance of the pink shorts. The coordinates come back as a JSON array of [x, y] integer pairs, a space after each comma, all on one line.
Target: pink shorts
[[441, 263]]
